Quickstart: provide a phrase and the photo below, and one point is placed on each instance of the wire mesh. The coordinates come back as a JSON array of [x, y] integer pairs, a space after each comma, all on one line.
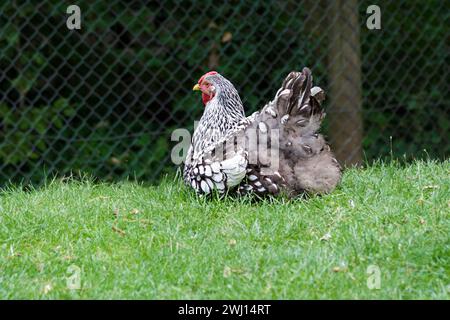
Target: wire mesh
[[104, 99]]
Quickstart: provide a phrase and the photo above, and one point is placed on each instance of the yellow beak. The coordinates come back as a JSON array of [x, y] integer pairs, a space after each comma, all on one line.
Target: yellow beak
[[196, 87]]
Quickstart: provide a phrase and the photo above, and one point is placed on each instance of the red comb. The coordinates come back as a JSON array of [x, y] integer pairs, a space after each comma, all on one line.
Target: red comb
[[210, 73]]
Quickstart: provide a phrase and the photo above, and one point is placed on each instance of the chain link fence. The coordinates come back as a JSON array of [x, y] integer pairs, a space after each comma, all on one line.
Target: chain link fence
[[105, 98]]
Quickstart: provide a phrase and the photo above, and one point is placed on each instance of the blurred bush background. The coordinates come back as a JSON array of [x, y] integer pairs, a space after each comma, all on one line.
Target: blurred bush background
[[105, 99]]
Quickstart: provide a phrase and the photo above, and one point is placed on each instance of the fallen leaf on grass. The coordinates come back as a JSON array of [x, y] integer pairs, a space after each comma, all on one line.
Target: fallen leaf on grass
[[430, 187], [326, 237], [340, 269], [119, 231], [226, 272], [47, 288]]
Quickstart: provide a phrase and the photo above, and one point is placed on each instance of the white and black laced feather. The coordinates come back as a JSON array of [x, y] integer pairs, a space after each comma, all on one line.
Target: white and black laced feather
[[221, 146]]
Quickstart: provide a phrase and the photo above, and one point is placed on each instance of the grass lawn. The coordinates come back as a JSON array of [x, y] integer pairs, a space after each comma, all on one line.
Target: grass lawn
[[127, 240]]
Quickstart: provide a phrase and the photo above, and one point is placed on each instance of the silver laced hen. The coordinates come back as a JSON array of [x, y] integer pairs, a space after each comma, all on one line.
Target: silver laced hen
[[276, 150]]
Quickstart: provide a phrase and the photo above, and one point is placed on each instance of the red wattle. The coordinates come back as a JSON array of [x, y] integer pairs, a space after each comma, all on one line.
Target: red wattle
[[206, 98]]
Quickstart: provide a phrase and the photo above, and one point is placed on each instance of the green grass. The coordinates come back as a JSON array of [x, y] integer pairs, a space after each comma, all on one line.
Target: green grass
[[162, 242]]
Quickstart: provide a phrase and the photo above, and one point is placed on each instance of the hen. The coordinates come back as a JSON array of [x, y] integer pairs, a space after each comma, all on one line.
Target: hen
[[276, 150]]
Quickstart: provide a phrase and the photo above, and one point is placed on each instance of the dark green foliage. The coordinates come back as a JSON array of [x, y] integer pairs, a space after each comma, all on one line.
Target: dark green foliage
[[105, 98]]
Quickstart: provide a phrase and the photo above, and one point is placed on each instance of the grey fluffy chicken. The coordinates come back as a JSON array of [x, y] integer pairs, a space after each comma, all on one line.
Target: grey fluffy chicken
[[275, 150]]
